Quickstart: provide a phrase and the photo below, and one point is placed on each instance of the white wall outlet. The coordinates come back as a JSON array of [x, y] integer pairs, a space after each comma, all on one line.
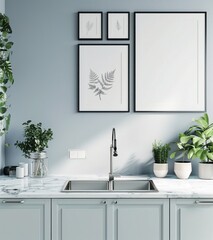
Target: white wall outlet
[[81, 154], [73, 154], [77, 154]]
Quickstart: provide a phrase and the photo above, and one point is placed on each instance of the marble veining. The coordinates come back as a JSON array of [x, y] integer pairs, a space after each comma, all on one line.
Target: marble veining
[[51, 187]]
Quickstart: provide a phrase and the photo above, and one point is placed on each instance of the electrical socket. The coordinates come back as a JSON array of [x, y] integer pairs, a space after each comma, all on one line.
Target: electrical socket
[[77, 154], [82, 154]]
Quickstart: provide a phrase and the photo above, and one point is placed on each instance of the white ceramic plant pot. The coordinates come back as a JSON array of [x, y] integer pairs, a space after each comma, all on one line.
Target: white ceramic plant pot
[[183, 169], [205, 170], [160, 169]]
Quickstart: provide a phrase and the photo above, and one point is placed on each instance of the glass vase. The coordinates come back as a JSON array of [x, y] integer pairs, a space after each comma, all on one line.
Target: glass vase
[[38, 165]]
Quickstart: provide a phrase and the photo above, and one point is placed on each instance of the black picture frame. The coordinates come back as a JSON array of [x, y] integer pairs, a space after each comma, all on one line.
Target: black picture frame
[[97, 58], [125, 24], [91, 29], [204, 59]]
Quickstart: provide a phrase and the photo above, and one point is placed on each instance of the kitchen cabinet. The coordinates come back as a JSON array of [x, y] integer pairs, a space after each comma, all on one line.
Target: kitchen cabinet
[[139, 219], [191, 219], [79, 219], [110, 219], [25, 219]]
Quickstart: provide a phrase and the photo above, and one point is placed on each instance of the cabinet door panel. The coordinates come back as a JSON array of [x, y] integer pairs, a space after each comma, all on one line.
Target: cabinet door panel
[[142, 219], [24, 221], [191, 221], [79, 220]]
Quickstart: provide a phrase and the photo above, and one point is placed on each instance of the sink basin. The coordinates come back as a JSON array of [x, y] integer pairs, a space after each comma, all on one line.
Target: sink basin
[[84, 185], [103, 186], [134, 185]]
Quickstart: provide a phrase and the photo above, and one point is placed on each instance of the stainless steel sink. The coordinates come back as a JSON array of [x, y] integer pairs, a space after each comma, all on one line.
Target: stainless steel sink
[[134, 185], [103, 186], [84, 186]]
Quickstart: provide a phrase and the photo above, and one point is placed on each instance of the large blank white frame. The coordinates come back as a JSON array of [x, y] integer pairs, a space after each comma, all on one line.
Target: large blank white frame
[[170, 56]]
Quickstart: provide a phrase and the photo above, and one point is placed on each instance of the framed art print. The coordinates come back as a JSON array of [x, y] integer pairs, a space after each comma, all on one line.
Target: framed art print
[[170, 61], [90, 25], [103, 78], [118, 25]]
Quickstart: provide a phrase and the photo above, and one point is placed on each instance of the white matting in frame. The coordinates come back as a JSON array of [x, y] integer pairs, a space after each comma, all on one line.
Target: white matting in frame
[[103, 78], [118, 25], [89, 25]]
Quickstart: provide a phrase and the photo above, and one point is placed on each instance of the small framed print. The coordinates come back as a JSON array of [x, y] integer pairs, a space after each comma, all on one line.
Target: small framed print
[[90, 25], [103, 78], [118, 25]]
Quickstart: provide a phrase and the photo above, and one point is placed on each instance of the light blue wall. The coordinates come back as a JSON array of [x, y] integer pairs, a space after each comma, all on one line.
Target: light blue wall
[[45, 89]]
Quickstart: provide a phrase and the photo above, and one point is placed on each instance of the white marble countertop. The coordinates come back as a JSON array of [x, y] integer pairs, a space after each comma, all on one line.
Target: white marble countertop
[[51, 187]]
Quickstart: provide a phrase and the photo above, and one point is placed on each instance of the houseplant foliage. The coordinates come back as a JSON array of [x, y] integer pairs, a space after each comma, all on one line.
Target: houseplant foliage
[[160, 154], [35, 142], [197, 141], [184, 147], [6, 74], [201, 138]]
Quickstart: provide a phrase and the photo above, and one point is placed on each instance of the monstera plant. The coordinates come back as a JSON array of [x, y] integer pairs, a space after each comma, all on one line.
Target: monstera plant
[[6, 74]]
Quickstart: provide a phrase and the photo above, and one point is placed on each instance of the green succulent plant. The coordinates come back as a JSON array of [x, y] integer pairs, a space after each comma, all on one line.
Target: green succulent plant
[[160, 152], [196, 141], [35, 138]]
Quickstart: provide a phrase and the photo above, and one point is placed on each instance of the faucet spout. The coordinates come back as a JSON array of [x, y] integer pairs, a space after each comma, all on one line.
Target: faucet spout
[[113, 153], [114, 143]]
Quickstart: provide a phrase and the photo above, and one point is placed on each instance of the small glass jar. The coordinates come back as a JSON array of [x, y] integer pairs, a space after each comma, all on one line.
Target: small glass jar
[[38, 165]]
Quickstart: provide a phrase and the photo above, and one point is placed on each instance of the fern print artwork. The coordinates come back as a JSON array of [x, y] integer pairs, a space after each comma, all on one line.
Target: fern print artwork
[[100, 85]]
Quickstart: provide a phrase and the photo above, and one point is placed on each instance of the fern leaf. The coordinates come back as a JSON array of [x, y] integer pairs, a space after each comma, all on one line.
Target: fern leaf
[[96, 90], [91, 86], [89, 26], [108, 79], [110, 76], [93, 77], [118, 26]]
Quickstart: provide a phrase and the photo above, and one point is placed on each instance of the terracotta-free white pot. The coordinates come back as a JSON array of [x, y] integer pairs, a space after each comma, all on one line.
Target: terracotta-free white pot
[[183, 169], [160, 169], [205, 170]]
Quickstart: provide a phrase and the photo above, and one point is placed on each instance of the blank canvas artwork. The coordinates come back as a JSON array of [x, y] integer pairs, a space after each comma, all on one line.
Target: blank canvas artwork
[[170, 62]]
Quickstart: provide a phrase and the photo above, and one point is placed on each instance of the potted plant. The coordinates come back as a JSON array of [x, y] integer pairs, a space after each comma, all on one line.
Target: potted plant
[[202, 139], [183, 167], [160, 154], [35, 142], [6, 74]]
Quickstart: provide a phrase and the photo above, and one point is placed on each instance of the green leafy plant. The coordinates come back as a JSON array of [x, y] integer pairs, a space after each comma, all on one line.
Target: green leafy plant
[[36, 138], [6, 74], [160, 152], [197, 141]]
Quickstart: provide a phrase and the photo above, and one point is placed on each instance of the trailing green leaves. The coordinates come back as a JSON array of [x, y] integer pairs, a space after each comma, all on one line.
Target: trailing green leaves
[[6, 73]]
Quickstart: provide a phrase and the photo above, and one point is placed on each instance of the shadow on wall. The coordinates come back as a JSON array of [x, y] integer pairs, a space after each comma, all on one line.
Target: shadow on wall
[[134, 166]]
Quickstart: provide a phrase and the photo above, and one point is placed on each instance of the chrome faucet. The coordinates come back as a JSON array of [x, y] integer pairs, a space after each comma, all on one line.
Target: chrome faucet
[[113, 153]]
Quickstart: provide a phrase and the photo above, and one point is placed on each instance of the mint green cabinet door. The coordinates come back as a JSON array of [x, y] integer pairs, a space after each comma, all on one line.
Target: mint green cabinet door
[[141, 219], [79, 219], [25, 219], [191, 219]]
